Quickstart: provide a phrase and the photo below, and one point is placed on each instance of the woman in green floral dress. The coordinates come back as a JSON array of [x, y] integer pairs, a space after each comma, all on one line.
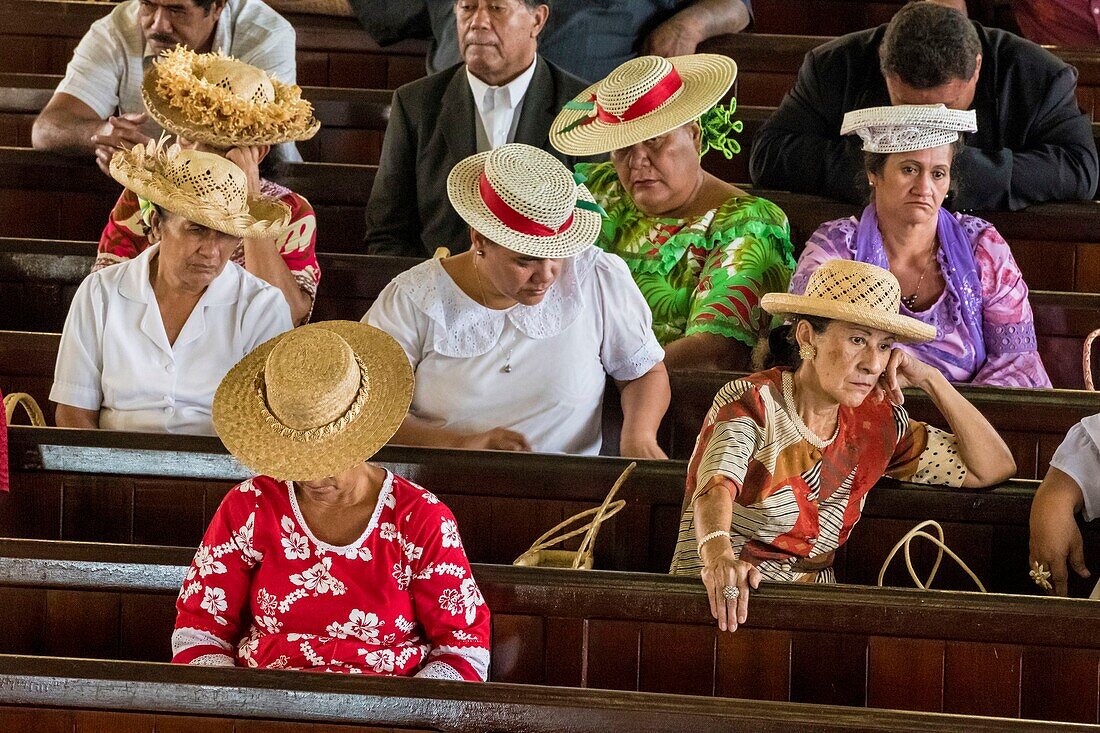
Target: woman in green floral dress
[[702, 251]]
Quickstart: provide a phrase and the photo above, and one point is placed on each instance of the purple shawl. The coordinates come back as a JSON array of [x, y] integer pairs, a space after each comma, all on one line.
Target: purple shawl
[[961, 275]]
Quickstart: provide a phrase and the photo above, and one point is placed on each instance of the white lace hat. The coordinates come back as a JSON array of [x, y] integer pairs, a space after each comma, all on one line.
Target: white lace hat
[[643, 98], [523, 198], [907, 127]]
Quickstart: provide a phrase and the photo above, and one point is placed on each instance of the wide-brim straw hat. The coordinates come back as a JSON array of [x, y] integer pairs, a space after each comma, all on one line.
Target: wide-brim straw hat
[[220, 101], [201, 187], [854, 292], [523, 198], [643, 98], [314, 401], [907, 127]]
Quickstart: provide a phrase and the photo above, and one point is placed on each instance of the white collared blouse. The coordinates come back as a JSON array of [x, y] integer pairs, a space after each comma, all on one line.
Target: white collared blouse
[[115, 356], [592, 323]]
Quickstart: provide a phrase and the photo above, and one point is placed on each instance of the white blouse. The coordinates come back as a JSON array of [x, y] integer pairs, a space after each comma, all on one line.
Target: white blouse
[[115, 356], [1079, 457], [593, 322]]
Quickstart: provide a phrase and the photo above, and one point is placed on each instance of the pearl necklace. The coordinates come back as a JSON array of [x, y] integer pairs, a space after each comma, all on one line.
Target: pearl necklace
[[808, 435]]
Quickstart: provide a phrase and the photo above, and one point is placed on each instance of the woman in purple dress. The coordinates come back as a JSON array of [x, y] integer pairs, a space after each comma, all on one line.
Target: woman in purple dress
[[956, 271]]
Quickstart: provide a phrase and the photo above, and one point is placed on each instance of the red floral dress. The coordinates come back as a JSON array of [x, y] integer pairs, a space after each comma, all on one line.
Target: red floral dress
[[124, 236], [262, 591]]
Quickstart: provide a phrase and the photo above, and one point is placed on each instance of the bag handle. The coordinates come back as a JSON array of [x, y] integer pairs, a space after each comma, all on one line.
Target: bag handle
[[34, 412], [912, 534], [1086, 359]]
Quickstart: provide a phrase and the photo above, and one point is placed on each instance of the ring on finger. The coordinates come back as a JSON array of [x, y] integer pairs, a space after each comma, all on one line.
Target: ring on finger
[[1040, 574], [731, 592]]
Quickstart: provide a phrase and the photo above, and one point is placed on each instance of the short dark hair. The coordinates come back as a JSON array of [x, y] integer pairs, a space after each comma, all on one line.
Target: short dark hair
[[876, 162], [927, 45], [783, 346]]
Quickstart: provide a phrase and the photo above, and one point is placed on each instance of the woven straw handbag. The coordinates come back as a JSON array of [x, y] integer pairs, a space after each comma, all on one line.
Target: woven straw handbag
[[1086, 359], [540, 555], [34, 412], [942, 547]]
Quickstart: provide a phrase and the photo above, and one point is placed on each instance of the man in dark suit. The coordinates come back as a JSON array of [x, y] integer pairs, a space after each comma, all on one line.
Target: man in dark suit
[[1033, 144], [503, 92]]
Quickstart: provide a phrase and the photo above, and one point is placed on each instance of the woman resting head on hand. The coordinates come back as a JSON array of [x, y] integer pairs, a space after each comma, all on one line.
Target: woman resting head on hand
[[702, 251], [786, 456], [512, 341], [325, 562], [955, 271]]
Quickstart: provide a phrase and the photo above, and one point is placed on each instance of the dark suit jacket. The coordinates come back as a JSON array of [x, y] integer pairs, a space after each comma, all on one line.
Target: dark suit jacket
[[431, 128], [1033, 144]]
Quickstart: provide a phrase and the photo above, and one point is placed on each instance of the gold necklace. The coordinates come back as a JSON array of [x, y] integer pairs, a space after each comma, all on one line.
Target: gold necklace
[[507, 352]]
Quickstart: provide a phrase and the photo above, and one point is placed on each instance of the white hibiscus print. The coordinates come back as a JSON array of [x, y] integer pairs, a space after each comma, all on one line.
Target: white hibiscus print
[[269, 624], [335, 630], [213, 601], [387, 531], [412, 552], [471, 599], [295, 545], [451, 601], [404, 624], [363, 626], [358, 553], [246, 487], [249, 646], [403, 575], [266, 601], [319, 579], [380, 660], [243, 538], [449, 530], [205, 563]]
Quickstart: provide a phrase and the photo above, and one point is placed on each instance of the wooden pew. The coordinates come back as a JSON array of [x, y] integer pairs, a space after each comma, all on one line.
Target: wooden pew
[[41, 276], [50, 197], [962, 653], [149, 489], [768, 64], [38, 37], [85, 696]]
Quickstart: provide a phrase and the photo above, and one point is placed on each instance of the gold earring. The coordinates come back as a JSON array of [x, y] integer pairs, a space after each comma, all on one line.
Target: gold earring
[[807, 352]]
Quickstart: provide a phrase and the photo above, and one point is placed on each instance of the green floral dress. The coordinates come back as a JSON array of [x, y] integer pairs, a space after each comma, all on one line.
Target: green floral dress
[[700, 275]]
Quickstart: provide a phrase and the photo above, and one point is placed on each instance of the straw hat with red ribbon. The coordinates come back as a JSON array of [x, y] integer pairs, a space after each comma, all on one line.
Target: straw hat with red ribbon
[[643, 98], [523, 198]]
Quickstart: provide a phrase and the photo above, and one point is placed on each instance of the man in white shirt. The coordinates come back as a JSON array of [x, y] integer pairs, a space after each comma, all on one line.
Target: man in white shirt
[[97, 108], [502, 92]]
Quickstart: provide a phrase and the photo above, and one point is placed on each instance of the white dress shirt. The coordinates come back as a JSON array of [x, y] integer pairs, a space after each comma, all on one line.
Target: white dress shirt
[[115, 356], [499, 107], [593, 322]]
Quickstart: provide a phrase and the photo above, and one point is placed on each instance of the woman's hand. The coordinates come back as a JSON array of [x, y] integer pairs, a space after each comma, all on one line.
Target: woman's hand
[[1055, 537], [721, 569], [495, 439], [248, 160], [904, 370], [641, 447]]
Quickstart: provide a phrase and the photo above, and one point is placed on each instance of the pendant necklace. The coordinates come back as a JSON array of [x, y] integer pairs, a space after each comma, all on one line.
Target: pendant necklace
[[506, 351], [909, 301]]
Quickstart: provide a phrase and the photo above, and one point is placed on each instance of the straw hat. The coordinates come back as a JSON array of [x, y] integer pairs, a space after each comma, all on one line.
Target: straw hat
[[908, 127], [523, 198], [220, 101], [202, 187], [314, 401], [855, 292], [643, 98]]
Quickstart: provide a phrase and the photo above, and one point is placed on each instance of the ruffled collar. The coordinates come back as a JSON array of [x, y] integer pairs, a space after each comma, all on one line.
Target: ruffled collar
[[465, 328]]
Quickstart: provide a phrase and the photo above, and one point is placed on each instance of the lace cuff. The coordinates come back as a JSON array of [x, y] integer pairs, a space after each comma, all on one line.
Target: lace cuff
[[1010, 338], [637, 364], [437, 670]]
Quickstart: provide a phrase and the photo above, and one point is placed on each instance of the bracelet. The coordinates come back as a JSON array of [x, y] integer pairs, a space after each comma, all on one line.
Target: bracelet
[[712, 535]]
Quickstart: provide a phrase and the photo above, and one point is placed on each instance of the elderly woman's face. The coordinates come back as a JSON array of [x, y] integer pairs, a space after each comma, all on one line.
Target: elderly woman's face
[[524, 279], [912, 186], [849, 361], [190, 254], [661, 174]]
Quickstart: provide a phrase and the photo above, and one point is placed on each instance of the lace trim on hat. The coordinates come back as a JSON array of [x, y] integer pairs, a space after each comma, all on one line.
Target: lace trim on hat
[[466, 328]]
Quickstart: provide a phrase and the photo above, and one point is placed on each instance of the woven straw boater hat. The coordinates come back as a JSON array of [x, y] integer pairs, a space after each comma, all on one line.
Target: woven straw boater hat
[[643, 98], [855, 292], [907, 127], [523, 198], [202, 187], [223, 102], [314, 401]]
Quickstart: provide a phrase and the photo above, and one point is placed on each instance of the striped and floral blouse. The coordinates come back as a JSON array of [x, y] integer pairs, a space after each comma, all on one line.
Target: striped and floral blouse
[[794, 503]]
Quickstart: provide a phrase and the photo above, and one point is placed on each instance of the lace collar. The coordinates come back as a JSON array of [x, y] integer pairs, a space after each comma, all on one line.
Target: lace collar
[[465, 328]]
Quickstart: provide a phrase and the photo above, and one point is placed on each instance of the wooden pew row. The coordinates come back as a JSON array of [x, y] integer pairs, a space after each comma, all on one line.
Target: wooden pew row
[[38, 37], [41, 276], [768, 64], [149, 489], [1033, 422], [837, 17], [352, 120], [85, 696], [50, 197], [962, 653]]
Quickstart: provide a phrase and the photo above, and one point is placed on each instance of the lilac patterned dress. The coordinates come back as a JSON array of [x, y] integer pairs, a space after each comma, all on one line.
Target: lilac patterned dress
[[1007, 355]]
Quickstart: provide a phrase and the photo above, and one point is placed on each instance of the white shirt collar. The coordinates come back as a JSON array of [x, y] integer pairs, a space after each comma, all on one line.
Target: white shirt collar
[[512, 92]]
